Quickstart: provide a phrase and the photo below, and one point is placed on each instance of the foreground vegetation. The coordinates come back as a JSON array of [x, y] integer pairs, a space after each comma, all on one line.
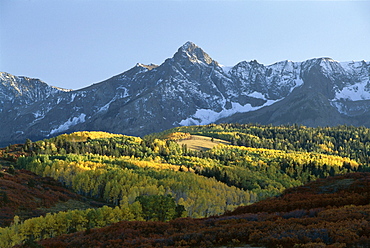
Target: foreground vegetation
[[138, 178], [332, 213]]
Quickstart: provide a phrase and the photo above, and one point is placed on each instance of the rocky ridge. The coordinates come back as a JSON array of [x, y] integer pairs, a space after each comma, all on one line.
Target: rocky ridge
[[189, 89]]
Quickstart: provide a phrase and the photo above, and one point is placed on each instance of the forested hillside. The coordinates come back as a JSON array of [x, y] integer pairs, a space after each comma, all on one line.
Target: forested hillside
[[158, 178], [332, 213], [345, 141]]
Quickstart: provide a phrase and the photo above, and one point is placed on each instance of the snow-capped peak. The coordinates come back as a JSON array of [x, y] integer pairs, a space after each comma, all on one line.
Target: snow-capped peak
[[193, 53], [188, 45], [24, 89], [189, 88]]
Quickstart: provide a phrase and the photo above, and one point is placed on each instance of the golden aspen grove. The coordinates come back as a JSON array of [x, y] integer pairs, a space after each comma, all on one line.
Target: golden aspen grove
[[157, 179]]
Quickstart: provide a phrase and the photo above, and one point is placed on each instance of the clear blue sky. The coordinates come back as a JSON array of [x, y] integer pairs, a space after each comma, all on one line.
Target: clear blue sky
[[74, 43]]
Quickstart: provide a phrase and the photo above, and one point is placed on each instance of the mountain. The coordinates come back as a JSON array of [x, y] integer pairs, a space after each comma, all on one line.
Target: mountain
[[189, 89], [332, 93]]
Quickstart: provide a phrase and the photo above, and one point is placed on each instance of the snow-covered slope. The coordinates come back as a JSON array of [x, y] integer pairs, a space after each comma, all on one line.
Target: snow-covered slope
[[357, 87], [23, 90], [189, 88]]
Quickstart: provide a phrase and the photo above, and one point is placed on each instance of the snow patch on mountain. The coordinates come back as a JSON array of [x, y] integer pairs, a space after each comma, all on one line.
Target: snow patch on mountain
[[73, 96], [298, 82], [207, 116], [106, 106], [356, 92], [354, 66], [119, 95], [256, 94], [38, 114], [346, 108], [69, 123], [189, 88], [339, 106]]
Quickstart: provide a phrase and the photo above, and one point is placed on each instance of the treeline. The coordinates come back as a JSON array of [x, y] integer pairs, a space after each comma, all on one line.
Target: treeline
[[345, 141]]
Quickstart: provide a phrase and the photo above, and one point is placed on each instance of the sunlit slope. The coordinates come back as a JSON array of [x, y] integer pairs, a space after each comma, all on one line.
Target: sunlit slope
[[201, 143], [257, 163], [96, 165], [86, 135]]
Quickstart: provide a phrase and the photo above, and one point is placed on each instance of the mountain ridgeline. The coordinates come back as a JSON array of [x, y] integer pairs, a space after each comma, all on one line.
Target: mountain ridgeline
[[189, 89]]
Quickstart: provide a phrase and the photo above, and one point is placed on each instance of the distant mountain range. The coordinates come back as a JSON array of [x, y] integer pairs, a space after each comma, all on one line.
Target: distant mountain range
[[189, 89]]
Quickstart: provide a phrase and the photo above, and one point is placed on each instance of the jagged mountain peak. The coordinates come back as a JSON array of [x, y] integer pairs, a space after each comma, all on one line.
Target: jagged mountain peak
[[322, 62], [249, 64], [188, 45], [24, 82], [193, 53], [190, 88], [25, 89]]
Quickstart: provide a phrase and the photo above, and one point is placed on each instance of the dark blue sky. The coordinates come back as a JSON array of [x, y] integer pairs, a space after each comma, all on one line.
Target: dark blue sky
[[74, 43]]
